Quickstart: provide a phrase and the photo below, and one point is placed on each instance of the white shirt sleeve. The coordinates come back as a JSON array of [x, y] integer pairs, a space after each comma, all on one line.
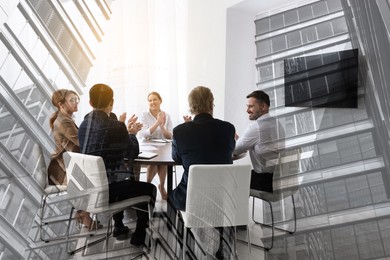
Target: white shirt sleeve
[[248, 140]]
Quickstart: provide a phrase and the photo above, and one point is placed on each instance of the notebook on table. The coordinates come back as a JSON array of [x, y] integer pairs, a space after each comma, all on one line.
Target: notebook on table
[[147, 155]]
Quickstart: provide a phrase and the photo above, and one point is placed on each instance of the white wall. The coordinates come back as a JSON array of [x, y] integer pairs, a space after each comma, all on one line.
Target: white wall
[[207, 48], [240, 66]]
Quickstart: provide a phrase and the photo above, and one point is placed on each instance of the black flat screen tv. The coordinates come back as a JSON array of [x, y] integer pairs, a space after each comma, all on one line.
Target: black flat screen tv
[[323, 80]]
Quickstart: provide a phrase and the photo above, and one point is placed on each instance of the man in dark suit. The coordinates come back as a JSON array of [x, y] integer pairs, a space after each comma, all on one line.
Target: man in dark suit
[[102, 134], [204, 140]]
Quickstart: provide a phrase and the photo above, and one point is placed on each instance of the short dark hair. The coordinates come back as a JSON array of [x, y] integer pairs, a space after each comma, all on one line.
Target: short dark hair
[[261, 96], [100, 95]]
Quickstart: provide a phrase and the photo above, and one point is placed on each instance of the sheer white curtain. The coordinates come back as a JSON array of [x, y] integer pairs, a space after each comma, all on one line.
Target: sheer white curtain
[[144, 50]]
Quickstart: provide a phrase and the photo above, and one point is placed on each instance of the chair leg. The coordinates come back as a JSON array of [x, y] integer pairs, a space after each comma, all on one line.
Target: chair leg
[[272, 219], [184, 243], [295, 215], [259, 223]]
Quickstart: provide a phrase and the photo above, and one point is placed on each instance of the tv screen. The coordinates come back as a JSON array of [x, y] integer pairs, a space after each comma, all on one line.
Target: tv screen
[[323, 80]]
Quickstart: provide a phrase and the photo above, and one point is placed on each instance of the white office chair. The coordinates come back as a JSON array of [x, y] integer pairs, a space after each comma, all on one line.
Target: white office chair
[[51, 194], [88, 184], [217, 196], [285, 184]]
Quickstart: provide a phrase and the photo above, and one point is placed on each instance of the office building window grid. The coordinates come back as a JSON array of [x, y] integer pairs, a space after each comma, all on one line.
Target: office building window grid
[[63, 36], [342, 172]]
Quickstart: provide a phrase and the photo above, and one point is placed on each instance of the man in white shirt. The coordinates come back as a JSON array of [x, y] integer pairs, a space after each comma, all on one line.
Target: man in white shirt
[[263, 138]]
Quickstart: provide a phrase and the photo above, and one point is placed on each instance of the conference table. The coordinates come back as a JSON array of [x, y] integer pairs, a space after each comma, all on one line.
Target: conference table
[[163, 149]]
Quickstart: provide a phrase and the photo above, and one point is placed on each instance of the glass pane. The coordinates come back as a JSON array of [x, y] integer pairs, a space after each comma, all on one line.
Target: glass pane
[[289, 125], [28, 38], [23, 82], [294, 39], [17, 141], [291, 17], [309, 34], [266, 72], [339, 26], [336, 196], [279, 97], [276, 21], [16, 22], [349, 149], [40, 54], [25, 217], [305, 13], [358, 191], [263, 48], [4, 52], [12, 197], [318, 87], [334, 5], [279, 43], [262, 26], [324, 30], [279, 68], [51, 69], [305, 122], [10, 71], [319, 8], [367, 147]]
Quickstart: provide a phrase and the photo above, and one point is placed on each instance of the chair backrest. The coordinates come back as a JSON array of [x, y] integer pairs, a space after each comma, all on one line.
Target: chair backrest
[[285, 177], [217, 195], [287, 169], [87, 181]]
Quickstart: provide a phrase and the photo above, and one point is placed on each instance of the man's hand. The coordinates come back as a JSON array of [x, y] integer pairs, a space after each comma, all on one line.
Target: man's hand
[[187, 118], [122, 117], [133, 127]]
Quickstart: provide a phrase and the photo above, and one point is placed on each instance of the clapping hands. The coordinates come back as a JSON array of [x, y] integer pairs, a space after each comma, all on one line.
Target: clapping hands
[[133, 127], [187, 118], [161, 118]]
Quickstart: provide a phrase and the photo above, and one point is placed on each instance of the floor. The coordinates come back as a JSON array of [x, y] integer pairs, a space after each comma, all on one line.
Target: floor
[[166, 244]]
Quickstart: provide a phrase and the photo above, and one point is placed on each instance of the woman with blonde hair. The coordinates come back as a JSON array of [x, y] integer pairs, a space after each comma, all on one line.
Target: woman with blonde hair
[[157, 124], [64, 131]]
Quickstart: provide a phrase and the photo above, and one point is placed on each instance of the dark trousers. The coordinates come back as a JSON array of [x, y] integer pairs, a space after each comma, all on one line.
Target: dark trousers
[[261, 181], [127, 189]]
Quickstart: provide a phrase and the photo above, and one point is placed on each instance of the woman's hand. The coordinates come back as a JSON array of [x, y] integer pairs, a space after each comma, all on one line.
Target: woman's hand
[[161, 119]]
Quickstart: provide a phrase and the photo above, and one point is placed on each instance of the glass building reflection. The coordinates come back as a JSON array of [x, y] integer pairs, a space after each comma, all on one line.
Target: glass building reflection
[[343, 197], [343, 200]]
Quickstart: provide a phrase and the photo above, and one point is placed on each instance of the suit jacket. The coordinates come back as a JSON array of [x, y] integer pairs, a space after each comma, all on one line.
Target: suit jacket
[[105, 136], [204, 140]]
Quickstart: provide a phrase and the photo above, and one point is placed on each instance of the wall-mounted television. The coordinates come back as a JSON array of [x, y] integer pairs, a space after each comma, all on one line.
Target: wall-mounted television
[[323, 80]]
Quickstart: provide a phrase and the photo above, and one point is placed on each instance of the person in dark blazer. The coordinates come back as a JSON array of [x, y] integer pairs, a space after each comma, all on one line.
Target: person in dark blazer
[[203, 140], [102, 134]]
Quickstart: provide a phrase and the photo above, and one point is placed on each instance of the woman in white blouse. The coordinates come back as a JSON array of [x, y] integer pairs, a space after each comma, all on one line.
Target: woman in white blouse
[[157, 124]]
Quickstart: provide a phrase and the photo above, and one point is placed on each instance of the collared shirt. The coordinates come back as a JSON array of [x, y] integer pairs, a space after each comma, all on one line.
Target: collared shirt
[[263, 139], [147, 119]]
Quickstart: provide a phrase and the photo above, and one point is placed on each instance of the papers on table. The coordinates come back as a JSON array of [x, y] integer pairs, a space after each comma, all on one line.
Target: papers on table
[[160, 140], [147, 155]]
